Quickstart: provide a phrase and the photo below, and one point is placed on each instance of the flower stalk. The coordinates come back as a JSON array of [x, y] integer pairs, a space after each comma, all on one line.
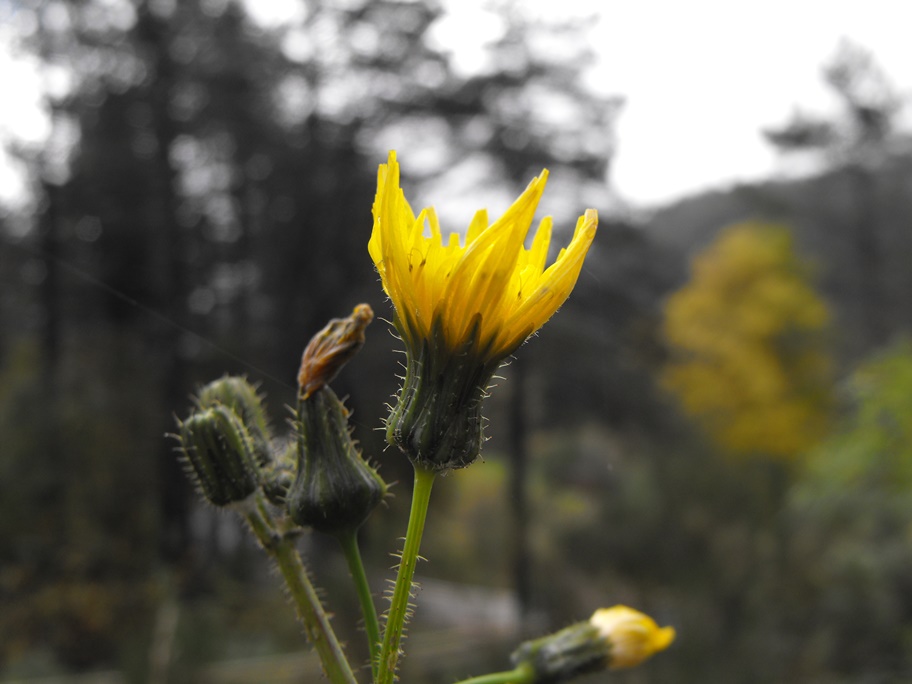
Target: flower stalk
[[402, 592]]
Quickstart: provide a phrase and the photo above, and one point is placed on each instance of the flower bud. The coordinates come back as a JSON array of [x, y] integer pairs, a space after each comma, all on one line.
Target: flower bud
[[241, 397], [219, 455], [278, 475], [335, 490], [613, 638]]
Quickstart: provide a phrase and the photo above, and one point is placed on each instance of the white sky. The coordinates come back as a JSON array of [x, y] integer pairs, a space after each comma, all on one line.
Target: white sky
[[700, 78]]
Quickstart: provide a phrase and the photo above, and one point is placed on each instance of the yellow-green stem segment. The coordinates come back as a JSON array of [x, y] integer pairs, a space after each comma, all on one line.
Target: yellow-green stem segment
[[349, 543], [395, 621], [310, 610]]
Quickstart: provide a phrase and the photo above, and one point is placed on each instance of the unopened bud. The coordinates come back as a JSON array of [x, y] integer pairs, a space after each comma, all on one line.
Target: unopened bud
[[278, 476], [219, 455], [242, 398]]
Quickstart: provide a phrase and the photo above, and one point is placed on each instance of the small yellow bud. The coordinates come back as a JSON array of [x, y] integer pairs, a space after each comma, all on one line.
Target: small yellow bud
[[613, 638], [633, 636]]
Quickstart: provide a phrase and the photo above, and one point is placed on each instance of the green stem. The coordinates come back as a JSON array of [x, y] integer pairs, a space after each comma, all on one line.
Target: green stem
[[310, 610], [349, 543], [398, 611], [521, 675]]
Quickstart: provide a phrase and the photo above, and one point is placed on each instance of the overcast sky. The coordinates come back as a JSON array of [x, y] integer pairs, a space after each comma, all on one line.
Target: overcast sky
[[700, 78]]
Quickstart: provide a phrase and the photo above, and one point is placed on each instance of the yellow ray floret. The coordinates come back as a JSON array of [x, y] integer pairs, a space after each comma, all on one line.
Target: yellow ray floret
[[490, 281]]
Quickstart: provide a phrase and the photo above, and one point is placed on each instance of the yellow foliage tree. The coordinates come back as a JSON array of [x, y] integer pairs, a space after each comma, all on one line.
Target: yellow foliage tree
[[747, 336]]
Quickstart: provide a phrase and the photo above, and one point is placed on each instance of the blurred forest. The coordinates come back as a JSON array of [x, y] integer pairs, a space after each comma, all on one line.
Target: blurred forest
[[714, 429]]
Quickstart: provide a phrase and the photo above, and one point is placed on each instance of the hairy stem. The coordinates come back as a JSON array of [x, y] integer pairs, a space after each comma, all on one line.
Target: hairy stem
[[310, 610], [395, 621]]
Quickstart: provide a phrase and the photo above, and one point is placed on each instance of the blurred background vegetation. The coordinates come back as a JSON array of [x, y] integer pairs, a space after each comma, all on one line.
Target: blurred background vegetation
[[717, 427]]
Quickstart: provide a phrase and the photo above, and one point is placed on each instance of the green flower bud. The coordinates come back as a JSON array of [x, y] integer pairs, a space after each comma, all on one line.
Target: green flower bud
[[241, 397], [335, 490], [437, 420], [278, 476], [219, 455]]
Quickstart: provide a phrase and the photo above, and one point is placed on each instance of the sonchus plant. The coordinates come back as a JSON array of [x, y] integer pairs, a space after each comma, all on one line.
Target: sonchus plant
[[461, 308]]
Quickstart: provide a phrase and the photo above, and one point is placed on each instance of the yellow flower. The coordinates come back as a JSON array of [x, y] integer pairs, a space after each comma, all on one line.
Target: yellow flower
[[489, 286], [633, 636], [462, 307]]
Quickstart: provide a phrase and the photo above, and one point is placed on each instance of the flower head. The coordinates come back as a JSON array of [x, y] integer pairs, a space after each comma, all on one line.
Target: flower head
[[462, 307], [488, 288]]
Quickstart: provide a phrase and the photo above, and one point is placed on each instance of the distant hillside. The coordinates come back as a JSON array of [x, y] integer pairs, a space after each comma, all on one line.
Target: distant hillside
[[828, 214]]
